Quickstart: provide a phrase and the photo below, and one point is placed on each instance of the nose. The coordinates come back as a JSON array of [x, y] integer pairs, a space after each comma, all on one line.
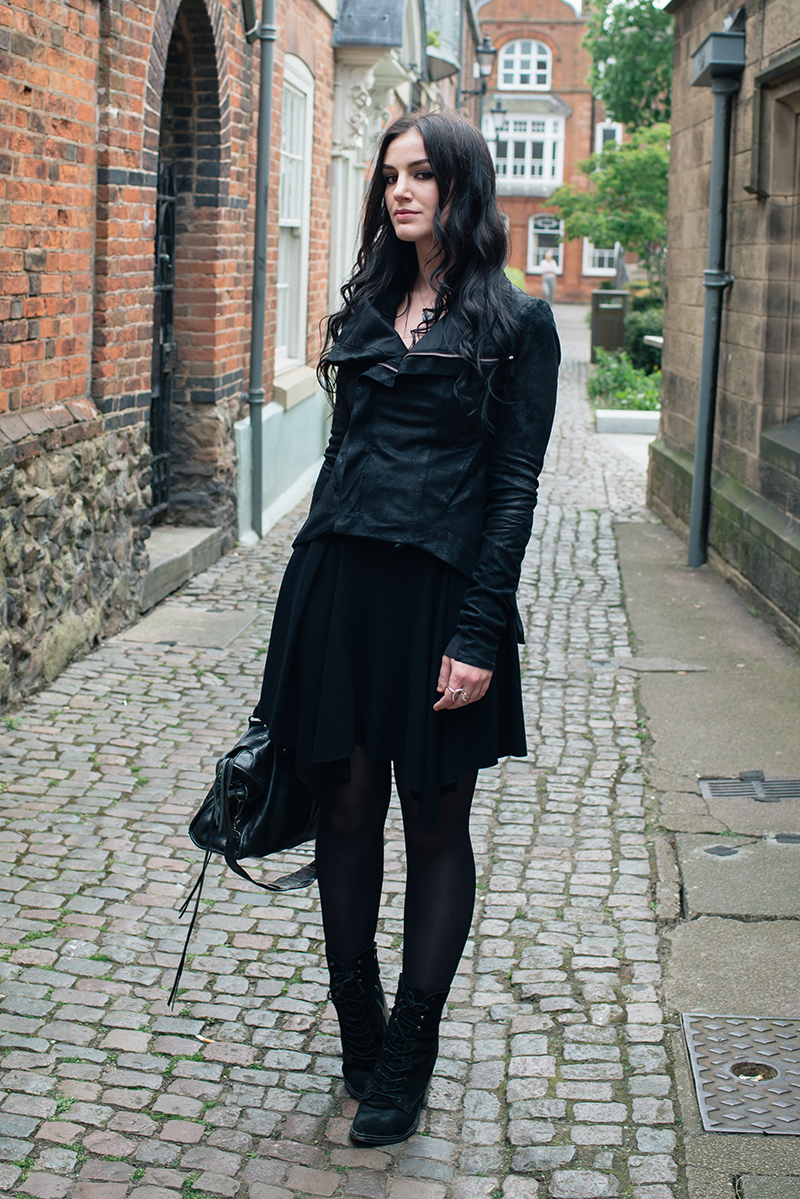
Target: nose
[[401, 187]]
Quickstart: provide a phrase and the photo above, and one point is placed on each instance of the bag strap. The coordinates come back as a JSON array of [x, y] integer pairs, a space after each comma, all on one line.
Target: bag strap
[[197, 890], [223, 779]]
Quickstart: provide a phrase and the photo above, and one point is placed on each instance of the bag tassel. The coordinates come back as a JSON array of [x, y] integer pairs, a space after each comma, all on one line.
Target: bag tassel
[[295, 881]]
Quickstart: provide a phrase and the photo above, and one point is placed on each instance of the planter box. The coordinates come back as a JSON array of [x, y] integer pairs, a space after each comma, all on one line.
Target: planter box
[[623, 420]]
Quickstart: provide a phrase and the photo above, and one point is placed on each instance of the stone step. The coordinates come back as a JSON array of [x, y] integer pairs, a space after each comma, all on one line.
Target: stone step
[[626, 420], [177, 554]]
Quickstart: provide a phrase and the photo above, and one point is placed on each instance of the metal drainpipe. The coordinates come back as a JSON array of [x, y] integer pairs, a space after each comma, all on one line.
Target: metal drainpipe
[[715, 280], [255, 395]]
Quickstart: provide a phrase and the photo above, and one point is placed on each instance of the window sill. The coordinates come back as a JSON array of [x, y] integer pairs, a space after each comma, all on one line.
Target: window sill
[[293, 385], [525, 187]]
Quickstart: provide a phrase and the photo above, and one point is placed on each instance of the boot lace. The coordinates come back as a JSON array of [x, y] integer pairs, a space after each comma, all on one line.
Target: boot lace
[[403, 1037], [347, 992]]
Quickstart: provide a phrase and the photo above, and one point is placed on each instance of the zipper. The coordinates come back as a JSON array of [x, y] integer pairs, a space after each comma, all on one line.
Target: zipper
[[434, 354]]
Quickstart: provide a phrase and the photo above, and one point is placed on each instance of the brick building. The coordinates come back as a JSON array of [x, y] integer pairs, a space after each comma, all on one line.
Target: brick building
[[552, 122], [754, 534], [127, 194]]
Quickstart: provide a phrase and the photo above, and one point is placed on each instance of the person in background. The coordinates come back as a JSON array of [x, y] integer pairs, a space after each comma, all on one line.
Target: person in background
[[549, 272]]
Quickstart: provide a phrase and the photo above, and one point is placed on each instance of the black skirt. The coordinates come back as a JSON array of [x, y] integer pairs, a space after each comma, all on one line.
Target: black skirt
[[354, 656]]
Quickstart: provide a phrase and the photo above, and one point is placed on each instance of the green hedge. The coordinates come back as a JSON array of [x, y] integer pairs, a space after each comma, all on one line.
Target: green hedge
[[617, 383], [638, 324]]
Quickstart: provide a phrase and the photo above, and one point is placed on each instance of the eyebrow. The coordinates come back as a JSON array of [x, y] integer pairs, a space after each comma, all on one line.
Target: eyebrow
[[419, 162]]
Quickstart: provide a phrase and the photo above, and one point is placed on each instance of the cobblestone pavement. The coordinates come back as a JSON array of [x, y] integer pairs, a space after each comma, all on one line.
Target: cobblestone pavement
[[553, 1078]]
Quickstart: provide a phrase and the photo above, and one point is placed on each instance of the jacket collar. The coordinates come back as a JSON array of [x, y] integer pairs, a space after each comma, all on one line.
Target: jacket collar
[[371, 336]]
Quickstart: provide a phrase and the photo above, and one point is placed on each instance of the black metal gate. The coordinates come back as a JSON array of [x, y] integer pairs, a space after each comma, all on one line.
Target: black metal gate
[[163, 345]]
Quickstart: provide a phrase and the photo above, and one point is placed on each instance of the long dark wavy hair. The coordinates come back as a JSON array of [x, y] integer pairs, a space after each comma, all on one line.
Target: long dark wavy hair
[[469, 275]]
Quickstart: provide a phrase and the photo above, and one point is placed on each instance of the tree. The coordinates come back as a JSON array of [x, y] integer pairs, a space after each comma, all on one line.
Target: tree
[[625, 199], [630, 42]]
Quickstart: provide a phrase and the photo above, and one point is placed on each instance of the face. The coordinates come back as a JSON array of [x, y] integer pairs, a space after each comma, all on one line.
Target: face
[[411, 192]]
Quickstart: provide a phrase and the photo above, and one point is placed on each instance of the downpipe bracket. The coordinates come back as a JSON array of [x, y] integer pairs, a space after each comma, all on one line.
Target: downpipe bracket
[[719, 279]]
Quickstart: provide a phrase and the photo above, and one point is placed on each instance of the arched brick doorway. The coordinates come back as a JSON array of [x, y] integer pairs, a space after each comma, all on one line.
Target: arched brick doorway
[[203, 403]]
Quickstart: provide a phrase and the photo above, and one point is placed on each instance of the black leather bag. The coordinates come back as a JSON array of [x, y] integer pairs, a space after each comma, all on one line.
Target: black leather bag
[[256, 807]]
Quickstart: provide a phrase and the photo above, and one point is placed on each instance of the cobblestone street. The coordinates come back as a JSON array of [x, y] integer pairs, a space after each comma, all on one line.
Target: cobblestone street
[[553, 1080]]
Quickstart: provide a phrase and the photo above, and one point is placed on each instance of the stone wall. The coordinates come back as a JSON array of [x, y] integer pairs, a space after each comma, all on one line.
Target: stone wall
[[754, 533], [71, 542]]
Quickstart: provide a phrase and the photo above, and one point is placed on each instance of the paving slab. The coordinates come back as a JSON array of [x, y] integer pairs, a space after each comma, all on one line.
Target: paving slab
[[724, 966], [741, 713], [174, 623], [739, 876], [762, 1186]]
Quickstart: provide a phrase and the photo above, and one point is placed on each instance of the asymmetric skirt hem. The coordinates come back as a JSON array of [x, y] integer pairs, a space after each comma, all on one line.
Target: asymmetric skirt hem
[[354, 656]]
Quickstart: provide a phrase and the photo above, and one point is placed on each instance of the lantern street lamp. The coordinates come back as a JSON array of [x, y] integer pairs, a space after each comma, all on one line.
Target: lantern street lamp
[[485, 54]]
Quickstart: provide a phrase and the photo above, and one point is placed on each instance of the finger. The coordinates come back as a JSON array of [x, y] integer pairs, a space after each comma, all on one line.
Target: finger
[[444, 673]]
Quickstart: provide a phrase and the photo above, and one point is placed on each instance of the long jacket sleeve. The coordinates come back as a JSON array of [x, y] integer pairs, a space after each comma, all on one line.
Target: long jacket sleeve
[[516, 456]]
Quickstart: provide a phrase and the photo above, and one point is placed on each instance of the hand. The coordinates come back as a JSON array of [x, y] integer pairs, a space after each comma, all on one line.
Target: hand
[[456, 678]]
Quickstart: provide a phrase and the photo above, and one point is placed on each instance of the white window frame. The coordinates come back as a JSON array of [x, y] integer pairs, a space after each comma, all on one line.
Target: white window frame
[[513, 50], [292, 353], [535, 252], [600, 128], [589, 260], [547, 131]]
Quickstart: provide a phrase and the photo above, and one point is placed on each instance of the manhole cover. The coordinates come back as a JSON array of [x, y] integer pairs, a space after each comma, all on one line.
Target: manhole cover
[[751, 784], [746, 1073]]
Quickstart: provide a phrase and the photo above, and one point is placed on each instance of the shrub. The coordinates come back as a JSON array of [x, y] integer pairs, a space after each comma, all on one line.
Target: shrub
[[637, 326], [617, 383], [516, 276], [643, 296]]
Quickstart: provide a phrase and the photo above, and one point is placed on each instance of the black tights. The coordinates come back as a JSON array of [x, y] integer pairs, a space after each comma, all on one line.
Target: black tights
[[440, 884]]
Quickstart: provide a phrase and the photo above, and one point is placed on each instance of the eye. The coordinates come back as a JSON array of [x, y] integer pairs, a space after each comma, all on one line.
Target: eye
[[424, 174], [387, 179]]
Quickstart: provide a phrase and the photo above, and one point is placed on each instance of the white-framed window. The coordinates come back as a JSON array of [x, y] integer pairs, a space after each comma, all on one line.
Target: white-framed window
[[544, 233], [525, 66], [606, 132], [530, 148], [294, 212], [598, 261]]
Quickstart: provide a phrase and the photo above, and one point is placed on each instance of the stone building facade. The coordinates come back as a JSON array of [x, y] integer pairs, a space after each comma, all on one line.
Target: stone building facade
[[127, 195], [754, 536], [128, 141], [553, 122]]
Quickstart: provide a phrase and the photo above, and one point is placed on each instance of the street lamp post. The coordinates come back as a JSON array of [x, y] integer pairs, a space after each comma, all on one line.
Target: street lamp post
[[498, 114], [485, 54]]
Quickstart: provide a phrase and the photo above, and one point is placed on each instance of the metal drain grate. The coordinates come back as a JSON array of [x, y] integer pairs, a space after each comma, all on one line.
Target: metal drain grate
[[751, 784], [746, 1073]]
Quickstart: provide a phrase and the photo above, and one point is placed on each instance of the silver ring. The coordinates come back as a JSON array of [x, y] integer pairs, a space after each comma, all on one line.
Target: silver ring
[[463, 695]]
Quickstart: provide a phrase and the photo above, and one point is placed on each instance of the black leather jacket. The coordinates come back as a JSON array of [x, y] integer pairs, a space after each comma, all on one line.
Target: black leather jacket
[[407, 464]]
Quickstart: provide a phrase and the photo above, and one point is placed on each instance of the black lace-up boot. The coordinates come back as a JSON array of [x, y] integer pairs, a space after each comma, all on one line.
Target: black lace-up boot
[[358, 997], [390, 1110]]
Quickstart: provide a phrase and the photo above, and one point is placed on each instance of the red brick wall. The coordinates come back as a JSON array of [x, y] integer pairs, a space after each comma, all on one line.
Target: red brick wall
[[48, 118], [81, 108]]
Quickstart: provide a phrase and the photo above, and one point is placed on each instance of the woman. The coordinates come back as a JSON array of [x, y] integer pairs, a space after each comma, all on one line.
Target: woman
[[394, 642], [549, 275]]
